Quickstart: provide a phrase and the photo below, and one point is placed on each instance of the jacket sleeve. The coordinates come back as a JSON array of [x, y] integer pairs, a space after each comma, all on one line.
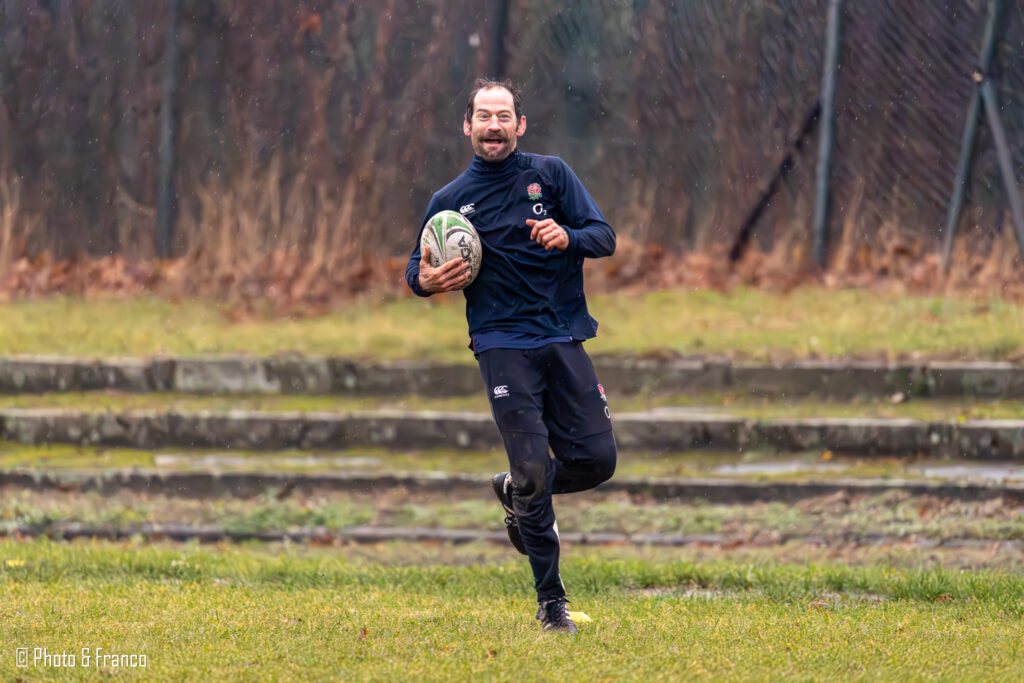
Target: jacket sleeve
[[589, 232], [412, 269]]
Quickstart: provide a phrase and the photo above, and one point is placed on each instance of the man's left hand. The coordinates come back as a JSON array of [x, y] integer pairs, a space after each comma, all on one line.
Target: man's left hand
[[548, 234]]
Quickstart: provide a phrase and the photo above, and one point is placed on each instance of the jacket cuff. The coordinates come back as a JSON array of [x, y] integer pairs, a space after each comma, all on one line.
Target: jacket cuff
[[573, 240], [414, 285]]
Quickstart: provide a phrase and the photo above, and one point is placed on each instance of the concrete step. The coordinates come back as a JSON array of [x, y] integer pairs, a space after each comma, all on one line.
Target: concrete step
[[660, 430], [836, 379]]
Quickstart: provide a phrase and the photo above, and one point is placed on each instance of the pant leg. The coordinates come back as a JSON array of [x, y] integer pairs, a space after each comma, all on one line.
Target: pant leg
[[533, 474], [583, 463], [578, 419], [515, 387]]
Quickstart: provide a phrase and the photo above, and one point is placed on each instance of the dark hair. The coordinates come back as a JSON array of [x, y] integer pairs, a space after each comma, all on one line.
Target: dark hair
[[484, 84]]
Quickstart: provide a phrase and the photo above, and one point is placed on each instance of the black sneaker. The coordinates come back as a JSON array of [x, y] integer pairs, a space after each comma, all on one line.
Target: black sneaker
[[501, 484], [554, 616]]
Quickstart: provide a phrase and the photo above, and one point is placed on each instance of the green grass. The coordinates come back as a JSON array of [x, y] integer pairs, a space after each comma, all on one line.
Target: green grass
[[755, 465], [892, 514], [773, 466], [239, 614], [809, 321], [283, 612], [714, 403], [61, 456]]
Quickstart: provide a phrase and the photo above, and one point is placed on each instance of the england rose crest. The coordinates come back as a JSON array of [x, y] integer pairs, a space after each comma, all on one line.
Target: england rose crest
[[533, 191]]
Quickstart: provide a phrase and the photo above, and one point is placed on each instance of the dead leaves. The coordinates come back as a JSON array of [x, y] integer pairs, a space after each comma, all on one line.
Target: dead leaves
[[278, 284], [285, 283], [897, 263]]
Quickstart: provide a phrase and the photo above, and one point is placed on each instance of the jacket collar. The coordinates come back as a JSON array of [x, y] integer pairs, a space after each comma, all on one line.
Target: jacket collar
[[482, 167]]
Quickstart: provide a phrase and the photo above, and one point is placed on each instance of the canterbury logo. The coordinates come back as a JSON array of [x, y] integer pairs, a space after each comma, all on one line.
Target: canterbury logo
[[501, 391], [467, 209]]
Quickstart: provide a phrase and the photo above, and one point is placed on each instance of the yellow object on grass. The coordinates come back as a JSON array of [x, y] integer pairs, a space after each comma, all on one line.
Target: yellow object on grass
[[580, 617]]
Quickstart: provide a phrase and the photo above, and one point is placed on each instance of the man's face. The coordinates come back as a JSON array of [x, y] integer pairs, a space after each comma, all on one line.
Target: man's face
[[493, 128]]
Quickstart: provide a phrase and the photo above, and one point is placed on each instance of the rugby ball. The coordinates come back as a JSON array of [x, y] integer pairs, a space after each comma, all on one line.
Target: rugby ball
[[449, 234]]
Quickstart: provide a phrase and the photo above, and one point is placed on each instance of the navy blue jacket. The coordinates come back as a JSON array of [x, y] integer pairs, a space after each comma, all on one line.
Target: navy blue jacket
[[521, 288]]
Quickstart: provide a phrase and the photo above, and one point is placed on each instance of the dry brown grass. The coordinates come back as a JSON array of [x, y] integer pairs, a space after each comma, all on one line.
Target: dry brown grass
[[291, 283], [17, 225], [268, 251]]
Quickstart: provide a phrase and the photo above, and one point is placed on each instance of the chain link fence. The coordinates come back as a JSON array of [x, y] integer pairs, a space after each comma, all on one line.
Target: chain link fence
[[327, 124]]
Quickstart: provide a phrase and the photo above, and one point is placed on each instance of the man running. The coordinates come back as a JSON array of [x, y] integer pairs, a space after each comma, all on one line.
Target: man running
[[527, 321]]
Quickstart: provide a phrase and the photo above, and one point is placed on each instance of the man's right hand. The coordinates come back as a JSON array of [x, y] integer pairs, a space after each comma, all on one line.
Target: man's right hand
[[446, 278]]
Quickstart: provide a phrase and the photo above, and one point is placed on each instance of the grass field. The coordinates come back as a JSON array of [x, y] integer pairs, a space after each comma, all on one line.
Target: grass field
[[825, 600], [806, 322], [280, 613], [752, 464], [741, 405], [893, 514]]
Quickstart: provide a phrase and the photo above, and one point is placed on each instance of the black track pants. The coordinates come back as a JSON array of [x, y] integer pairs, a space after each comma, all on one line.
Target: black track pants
[[541, 398]]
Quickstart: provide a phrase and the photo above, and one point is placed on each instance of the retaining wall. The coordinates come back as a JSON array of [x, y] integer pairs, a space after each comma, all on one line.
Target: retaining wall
[[838, 379]]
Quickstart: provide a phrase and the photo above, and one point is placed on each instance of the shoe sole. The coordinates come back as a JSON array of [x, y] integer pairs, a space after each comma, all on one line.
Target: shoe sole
[[514, 537]]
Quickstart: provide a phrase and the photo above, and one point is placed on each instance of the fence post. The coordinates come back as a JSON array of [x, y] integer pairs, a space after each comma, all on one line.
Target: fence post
[[963, 166], [498, 31], [167, 200], [819, 223], [988, 94]]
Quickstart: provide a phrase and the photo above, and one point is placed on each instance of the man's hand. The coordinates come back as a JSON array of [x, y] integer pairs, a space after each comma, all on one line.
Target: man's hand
[[446, 278], [548, 234]]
